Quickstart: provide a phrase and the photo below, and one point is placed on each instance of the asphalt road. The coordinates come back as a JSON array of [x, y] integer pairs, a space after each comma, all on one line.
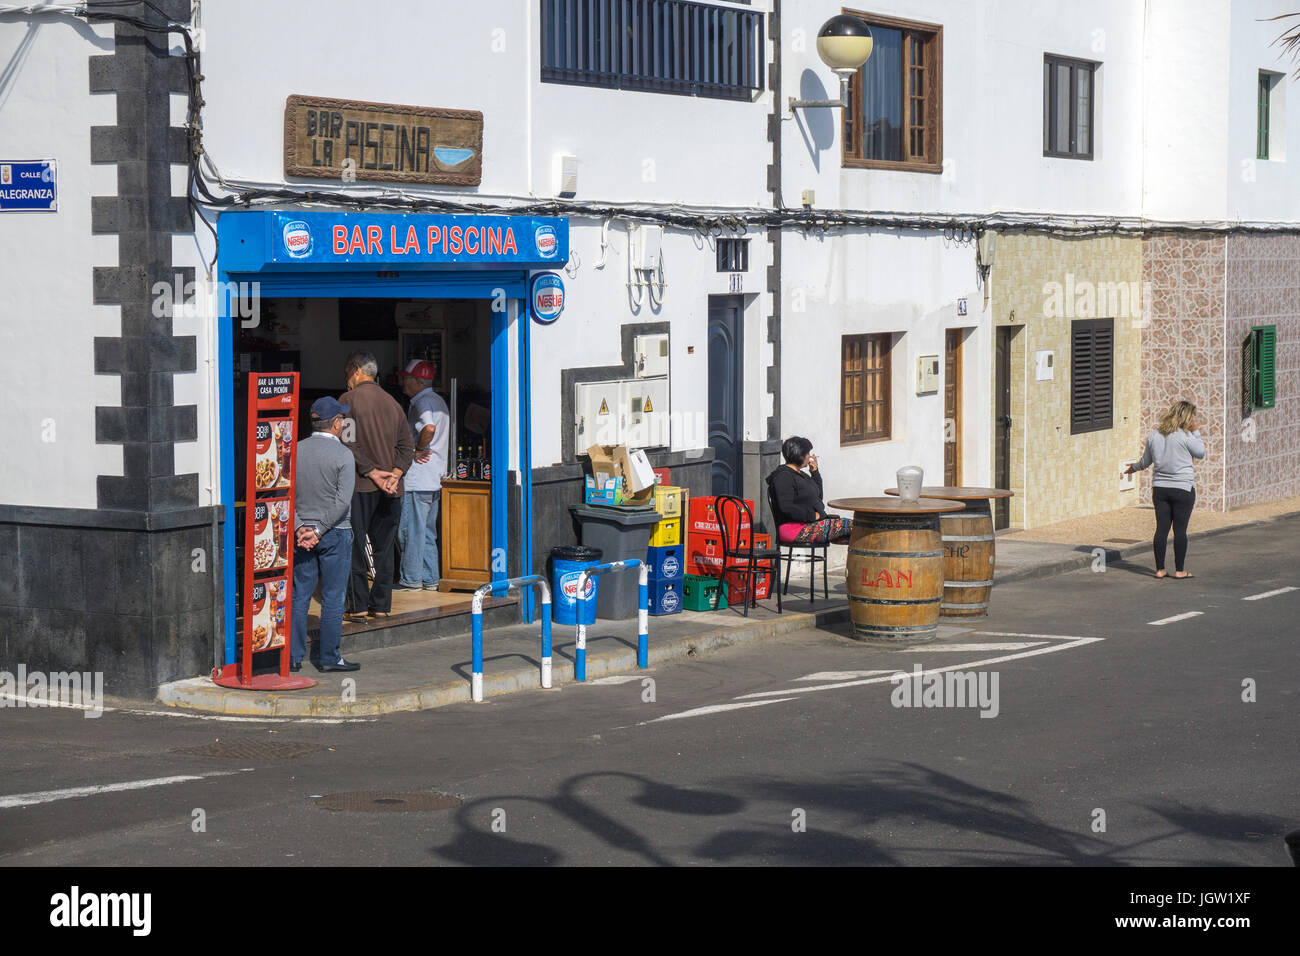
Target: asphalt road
[[1108, 740]]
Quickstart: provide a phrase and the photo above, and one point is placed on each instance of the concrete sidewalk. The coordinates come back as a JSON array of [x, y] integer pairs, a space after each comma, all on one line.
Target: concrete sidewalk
[[435, 673]]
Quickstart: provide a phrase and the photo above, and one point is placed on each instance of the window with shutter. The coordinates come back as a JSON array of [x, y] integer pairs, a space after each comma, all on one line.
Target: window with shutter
[[1092, 375], [1261, 376], [864, 388]]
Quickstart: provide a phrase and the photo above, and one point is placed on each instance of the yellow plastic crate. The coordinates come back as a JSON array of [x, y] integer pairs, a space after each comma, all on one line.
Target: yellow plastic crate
[[669, 500], [666, 533]]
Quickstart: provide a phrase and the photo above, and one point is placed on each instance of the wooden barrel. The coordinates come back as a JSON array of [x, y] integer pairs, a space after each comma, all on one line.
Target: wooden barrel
[[895, 577], [967, 560]]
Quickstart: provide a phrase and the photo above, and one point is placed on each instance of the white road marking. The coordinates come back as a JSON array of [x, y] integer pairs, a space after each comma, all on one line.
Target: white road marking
[[1008, 646], [1268, 594], [616, 679], [1046, 637], [714, 709], [840, 675], [1177, 617], [49, 796], [1071, 642]]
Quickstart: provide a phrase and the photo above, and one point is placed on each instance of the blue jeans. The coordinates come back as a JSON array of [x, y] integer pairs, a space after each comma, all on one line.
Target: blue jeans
[[418, 536], [330, 562]]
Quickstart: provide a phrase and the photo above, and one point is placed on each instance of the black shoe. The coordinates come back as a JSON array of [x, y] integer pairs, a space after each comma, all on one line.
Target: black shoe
[[295, 666], [342, 665]]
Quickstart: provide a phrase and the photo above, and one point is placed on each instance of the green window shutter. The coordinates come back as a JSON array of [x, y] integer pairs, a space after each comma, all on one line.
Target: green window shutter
[[1266, 364]]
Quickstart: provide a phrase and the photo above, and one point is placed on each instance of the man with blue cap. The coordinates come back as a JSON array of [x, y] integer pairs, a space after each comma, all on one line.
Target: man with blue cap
[[322, 516]]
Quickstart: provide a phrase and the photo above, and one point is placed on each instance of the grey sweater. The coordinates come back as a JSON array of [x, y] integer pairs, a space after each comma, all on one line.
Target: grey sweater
[[1172, 456], [327, 473]]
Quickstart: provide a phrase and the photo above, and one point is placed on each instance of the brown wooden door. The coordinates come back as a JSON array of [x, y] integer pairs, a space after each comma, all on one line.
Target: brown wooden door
[[952, 408]]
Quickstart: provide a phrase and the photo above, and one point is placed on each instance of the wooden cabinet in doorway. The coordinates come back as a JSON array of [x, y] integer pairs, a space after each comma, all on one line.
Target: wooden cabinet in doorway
[[466, 527]]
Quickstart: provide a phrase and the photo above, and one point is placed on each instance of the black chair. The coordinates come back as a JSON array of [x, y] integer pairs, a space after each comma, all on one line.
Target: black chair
[[812, 557], [748, 560]]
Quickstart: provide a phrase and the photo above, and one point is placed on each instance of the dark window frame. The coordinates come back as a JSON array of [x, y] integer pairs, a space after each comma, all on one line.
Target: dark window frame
[[1259, 368], [682, 47], [931, 160], [1051, 148], [861, 435], [732, 255], [1086, 378]]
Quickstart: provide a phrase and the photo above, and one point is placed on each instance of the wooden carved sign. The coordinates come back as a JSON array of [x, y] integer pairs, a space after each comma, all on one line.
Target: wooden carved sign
[[348, 140]]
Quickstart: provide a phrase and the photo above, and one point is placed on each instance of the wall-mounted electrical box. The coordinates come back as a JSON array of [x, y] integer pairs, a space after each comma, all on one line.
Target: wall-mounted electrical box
[[597, 418], [630, 412], [1127, 482], [927, 374], [645, 402], [1043, 366], [565, 172], [650, 355], [644, 244]]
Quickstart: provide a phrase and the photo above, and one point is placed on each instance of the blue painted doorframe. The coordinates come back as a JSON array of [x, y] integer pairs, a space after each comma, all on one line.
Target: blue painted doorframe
[[261, 247]]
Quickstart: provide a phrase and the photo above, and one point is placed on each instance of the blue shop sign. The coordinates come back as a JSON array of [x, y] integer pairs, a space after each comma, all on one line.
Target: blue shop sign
[[396, 240], [29, 184], [548, 297]]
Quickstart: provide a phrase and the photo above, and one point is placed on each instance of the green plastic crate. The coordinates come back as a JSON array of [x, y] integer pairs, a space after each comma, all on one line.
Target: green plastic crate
[[701, 593]]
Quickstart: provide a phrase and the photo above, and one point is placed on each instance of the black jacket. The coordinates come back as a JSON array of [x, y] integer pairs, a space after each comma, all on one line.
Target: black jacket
[[798, 496]]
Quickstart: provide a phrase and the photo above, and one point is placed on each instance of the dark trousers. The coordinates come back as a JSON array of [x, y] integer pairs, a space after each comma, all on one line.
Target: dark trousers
[[1173, 507], [375, 516]]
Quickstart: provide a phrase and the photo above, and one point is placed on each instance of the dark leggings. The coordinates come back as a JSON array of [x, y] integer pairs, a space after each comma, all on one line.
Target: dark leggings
[[1173, 506]]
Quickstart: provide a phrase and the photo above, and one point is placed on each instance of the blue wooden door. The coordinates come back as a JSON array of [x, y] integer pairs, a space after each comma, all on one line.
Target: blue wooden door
[[726, 391]]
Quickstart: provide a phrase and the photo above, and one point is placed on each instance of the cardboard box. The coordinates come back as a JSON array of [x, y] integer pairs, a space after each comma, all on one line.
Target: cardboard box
[[631, 467], [602, 490]]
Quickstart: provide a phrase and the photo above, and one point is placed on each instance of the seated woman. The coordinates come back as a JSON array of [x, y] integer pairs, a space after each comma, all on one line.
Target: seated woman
[[802, 517]]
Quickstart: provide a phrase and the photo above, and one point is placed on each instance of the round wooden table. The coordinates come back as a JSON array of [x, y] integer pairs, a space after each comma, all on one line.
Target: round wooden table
[[895, 568], [968, 549]]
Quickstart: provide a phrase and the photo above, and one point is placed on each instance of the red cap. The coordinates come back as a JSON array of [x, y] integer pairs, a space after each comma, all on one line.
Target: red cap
[[419, 368]]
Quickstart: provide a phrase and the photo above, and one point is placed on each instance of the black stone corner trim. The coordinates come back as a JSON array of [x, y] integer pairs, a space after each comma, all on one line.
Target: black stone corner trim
[[144, 215], [601, 373]]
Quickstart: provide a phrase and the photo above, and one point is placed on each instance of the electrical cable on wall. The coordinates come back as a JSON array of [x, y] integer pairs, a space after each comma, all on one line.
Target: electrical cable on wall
[[710, 221]]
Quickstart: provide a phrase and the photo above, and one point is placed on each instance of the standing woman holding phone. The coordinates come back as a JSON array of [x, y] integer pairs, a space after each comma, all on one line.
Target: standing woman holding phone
[[1171, 446]]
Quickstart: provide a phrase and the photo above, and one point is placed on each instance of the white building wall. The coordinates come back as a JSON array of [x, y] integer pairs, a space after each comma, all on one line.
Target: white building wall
[[47, 319]]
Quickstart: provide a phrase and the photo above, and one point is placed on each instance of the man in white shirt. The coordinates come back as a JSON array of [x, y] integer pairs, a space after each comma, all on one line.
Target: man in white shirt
[[430, 422]]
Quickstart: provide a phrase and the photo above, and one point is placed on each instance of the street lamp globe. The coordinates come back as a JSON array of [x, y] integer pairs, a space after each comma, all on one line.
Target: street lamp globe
[[844, 43]]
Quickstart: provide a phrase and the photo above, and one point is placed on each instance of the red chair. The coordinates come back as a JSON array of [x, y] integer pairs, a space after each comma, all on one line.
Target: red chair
[[733, 516]]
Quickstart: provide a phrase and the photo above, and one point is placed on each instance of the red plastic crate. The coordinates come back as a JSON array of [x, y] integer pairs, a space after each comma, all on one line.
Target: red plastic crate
[[703, 515], [662, 476], [738, 593]]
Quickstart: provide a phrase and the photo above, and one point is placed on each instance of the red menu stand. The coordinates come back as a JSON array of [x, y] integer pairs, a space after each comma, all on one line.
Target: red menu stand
[[268, 536]]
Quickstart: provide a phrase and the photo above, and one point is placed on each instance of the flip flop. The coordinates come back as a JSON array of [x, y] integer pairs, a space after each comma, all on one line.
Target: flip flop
[[1184, 577], [1160, 577]]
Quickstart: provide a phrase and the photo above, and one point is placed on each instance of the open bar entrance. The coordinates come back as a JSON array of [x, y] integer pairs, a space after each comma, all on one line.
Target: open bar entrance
[[400, 286]]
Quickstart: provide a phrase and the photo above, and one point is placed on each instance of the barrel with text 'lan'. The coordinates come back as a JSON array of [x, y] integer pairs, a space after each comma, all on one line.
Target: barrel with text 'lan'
[[895, 577]]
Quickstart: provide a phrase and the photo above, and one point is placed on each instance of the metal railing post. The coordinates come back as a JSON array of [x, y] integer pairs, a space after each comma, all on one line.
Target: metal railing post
[[476, 628], [642, 615]]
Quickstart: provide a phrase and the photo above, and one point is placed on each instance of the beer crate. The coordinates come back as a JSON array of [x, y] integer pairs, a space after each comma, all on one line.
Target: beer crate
[[666, 533], [665, 596], [703, 515], [668, 500], [702, 593], [666, 563]]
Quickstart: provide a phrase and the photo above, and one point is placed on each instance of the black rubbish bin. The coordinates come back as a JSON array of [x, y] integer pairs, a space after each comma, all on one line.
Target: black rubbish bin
[[619, 534]]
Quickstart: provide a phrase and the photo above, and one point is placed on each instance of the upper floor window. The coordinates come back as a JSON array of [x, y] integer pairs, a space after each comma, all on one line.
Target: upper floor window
[[895, 114], [668, 46], [1092, 374], [1270, 141], [1069, 88]]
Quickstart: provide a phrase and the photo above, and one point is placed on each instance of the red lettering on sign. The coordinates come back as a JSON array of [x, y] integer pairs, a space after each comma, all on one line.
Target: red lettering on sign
[[435, 236], [392, 242], [374, 240], [471, 233], [412, 239], [494, 241], [358, 244], [455, 240], [340, 240], [509, 247]]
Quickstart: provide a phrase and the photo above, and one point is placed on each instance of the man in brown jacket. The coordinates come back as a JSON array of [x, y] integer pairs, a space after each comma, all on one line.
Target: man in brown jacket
[[380, 441]]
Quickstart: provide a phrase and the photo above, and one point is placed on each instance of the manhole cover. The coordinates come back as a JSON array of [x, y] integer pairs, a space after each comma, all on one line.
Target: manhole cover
[[252, 748], [387, 801]]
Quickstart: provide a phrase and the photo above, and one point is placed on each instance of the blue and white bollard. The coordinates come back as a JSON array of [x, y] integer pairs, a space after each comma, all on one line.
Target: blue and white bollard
[[642, 614], [476, 629]]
